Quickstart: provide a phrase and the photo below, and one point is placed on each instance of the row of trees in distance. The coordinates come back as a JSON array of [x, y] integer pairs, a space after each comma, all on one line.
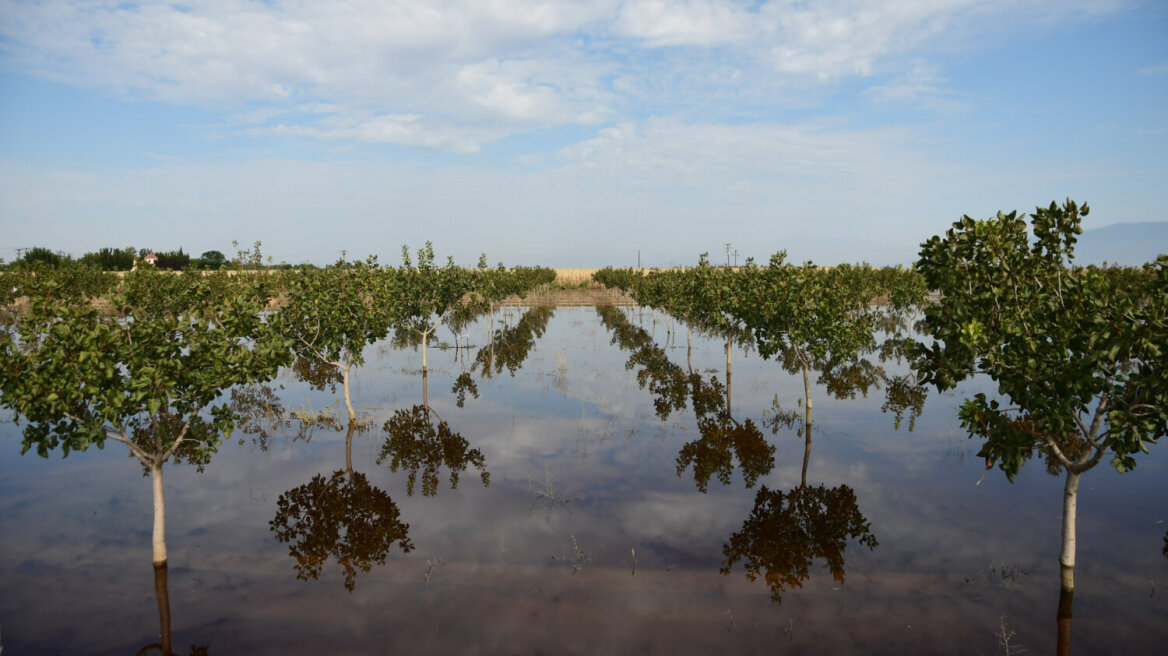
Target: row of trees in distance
[[146, 361]]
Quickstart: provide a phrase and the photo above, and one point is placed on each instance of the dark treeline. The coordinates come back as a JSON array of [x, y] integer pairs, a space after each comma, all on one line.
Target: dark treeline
[[119, 259]]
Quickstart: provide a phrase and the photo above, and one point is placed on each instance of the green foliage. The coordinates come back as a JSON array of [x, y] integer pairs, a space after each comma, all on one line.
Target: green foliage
[[822, 316], [332, 314], [424, 293], [68, 282], [79, 376], [212, 260], [1078, 354], [44, 257], [111, 259], [248, 258]]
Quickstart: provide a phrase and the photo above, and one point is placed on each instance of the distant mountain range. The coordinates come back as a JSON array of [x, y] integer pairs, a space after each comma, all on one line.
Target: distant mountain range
[[1128, 244]]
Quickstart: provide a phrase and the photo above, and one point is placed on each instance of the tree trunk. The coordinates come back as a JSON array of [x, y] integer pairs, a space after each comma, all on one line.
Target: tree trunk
[[159, 516], [348, 396], [349, 448], [1067, 559], [1065, 621], [728, 376], [425, 337], [806, 453], [162, 592], [806, 421]]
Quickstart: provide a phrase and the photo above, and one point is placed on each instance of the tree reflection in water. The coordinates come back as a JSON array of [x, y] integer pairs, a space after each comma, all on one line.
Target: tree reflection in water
[[162, 592], [342, 516], [786, 532], [722, 439], [420, 441], [510, 347]]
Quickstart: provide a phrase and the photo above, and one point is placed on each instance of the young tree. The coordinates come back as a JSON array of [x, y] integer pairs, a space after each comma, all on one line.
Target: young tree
[[815, 320], [78, 377], [331, 315], [424, 295], [1078, 357]]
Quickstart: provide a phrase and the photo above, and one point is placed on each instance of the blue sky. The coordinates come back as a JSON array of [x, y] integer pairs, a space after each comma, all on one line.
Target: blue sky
[[572, 133]]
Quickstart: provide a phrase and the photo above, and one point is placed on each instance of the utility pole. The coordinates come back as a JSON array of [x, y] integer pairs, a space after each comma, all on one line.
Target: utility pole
[[736, 258], [638, 258], [727, 253]]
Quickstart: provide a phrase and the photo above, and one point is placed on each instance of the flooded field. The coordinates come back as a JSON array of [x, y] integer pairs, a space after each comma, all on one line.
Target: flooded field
[[616, 492]]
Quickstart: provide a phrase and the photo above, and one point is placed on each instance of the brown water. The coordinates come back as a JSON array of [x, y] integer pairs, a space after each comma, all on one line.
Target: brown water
[[587, 539]]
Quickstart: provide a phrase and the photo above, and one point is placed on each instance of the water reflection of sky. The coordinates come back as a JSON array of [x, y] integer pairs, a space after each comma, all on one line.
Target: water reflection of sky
[[586, 540]]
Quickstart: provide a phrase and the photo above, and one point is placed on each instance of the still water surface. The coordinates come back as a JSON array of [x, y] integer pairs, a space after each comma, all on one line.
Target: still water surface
[[586, 537]]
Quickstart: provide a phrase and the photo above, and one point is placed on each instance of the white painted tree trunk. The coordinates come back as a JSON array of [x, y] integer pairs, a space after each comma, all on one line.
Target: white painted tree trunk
[[806, 421], [425, 338], [159, 516], [348, 397], [1070, 503]]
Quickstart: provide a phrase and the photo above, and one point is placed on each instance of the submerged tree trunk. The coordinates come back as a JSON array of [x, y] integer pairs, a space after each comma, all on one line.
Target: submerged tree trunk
[[1067, 561], [349, 448], [728, 376], [162, 592], [159, 516], [806, 420], [1065, 621], [806, 451]]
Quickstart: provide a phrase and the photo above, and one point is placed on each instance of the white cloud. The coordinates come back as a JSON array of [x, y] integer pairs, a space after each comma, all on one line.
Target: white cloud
[[1155, 69], [535, 91], [684, 22], [401, 129], [921, 86], [473, 69], [668, 152]]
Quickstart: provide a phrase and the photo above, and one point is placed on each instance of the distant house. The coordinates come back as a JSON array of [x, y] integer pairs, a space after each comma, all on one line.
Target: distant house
[[150, 259]]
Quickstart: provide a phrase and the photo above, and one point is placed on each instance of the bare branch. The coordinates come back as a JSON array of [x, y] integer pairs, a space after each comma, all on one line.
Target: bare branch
[[1058, 453], [182, 434]]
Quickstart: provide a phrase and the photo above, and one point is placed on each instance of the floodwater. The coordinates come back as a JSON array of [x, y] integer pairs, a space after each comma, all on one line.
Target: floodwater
[[596, 511]]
